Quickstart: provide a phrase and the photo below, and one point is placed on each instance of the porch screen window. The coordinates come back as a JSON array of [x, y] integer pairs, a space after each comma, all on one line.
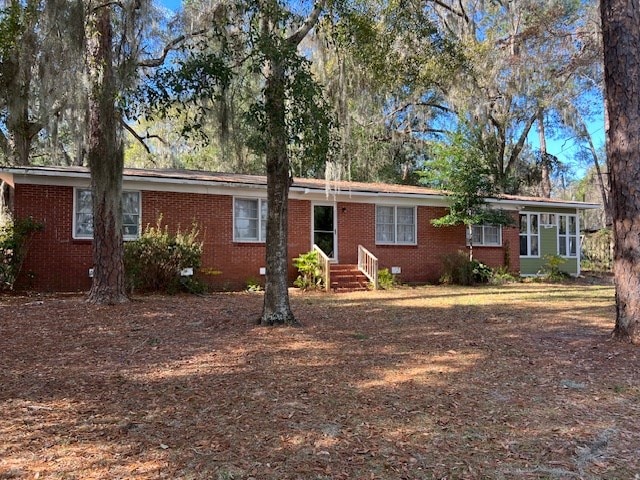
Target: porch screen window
[[567, 235], [83, 214], [487, 235], [395, 225], [529, 235], [250, 220]]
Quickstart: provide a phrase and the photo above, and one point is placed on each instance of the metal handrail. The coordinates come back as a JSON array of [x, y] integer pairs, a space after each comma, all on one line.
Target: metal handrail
[[368, 264], [325, 268]]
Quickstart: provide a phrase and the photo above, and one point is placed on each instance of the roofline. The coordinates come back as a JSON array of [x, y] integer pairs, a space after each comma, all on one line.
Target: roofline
[[175, 178], [544, 203]]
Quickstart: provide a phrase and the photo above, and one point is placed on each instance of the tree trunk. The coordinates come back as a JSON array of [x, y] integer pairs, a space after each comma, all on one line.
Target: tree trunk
[[106, 162], [18, 72], [621, 37], [545, 183], [276, 309]]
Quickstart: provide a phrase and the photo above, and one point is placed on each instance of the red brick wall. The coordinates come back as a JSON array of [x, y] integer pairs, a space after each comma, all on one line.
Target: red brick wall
[[421, 262], [237, 261], [57, 262]]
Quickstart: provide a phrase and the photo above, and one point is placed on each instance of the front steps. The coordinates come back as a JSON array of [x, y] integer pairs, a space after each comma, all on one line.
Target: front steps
[[347, 278]]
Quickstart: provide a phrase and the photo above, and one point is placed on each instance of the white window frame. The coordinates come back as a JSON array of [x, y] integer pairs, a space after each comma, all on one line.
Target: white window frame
[[483, 243], [395, 223], [548, 220], [567, 236], [260, 238], [529, 235], [74, 225]]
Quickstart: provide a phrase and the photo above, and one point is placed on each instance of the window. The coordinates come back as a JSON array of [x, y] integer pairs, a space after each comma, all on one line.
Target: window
[[567, 235], [487, 235], [249, 220], [395, 225], [529, 235], [547, 219], [83, 214]]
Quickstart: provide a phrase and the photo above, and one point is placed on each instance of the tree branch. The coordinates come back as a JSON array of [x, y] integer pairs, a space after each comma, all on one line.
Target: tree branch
[[518, 146], [141, 139], [108, 4], [451, 9], [172, 45], [296, 37]]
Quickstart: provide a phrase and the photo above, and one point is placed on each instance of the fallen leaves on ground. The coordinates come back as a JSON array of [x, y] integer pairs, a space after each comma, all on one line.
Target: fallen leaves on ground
[[518, 381]]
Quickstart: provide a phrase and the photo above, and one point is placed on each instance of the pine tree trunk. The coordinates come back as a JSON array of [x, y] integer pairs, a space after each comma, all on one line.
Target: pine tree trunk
[[276, 309], [106, 162], [621, 37]]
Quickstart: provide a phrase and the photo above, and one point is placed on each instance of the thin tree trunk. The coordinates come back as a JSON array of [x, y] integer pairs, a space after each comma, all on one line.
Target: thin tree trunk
[[276, 309], [621, 37], [601, 183], [106, 162], [545, 183]]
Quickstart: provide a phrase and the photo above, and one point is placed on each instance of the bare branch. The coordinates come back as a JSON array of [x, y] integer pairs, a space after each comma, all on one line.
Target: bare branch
[[296, 37], [108, 4], [172, 45], [520, 144], [141, 139], [451, 9]]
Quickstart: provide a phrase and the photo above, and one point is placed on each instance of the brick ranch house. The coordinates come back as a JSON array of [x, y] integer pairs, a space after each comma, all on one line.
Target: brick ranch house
[[393, 222]]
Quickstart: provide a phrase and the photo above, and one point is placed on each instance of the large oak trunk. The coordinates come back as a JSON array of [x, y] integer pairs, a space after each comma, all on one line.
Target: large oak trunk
[[621, 37], [276, 309], [106, 162]]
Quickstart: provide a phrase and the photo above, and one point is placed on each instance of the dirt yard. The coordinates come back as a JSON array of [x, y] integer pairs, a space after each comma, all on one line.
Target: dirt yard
[[519, 381]]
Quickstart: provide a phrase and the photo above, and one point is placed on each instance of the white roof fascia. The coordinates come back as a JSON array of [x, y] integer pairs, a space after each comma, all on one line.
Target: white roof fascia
[[546, 204], [140, 182]]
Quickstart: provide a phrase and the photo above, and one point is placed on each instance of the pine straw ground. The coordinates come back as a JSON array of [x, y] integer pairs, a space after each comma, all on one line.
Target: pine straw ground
[[518, 381]]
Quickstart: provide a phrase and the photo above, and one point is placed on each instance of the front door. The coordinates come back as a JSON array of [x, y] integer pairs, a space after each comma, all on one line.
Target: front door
[[324, 230]]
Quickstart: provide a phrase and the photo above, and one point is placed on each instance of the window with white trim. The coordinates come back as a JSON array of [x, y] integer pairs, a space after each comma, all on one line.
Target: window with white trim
[[487, 235], [83, 214], [568, 235], [249, 219], [529, 235], [395, 225]]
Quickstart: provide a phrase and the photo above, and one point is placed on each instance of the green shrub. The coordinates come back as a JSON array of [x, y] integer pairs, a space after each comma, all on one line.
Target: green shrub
[[386, 280], [459, 270], [254, 285], [154, 261], [551, 271], [310, 274], [502, 275], [14, 244]]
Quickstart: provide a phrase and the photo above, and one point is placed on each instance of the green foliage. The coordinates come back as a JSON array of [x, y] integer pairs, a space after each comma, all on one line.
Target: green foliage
[[311, 129], [459, 270], [14, 244], [154, 261], [310, 274], [254, 285], [386, 280], [186, 90], [502, 275], [551, 270], [463, 170], [597, 250]]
